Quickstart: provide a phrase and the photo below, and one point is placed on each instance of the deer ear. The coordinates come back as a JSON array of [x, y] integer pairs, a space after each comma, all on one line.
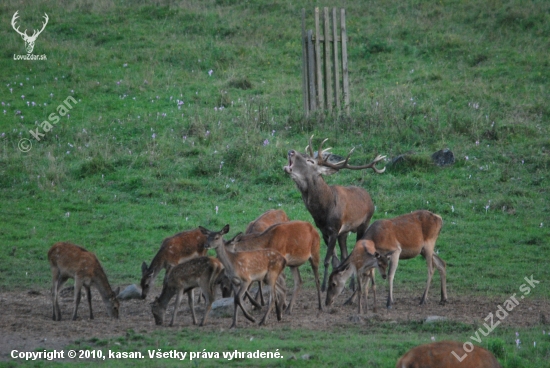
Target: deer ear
[[144, 268], [323, 170], [377, 255], [204, 230], [225, 230]]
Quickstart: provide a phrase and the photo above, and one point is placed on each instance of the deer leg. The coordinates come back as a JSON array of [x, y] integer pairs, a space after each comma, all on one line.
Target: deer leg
[[209, 296], [89, 296], [190, 298], [77, 294], [179, 295], [297, 285], [238, 303], [342, 241], [371, 278], [359, 290], [315, 268], [394, 261], [56, 280], [273, 295], [441, 267], [331, 243], [58, 283], [252, 300], [428, 255]]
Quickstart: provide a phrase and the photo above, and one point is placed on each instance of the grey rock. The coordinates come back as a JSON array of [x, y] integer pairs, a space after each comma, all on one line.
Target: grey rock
[[432, 319], [443, 157], [130, 292]]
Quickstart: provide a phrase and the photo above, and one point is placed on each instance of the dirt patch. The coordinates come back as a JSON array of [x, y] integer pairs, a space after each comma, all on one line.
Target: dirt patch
[[26, 317]]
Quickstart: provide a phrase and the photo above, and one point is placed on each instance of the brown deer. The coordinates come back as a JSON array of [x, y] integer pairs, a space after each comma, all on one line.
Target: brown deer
[[362, 262], [268, 218], [336, 210], [242, 268], [203, 272], [72, 261], [297, 241], [405, 237], [448, 354], [173, 251]]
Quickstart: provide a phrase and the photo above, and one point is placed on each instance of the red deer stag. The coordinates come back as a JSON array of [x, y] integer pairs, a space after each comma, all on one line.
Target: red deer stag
[[268, 218], [71, 261], [173, 251], [361, 262], [203, 272], [297, 241], [448, 354], [405, 237], [242, 268], [336, 210]]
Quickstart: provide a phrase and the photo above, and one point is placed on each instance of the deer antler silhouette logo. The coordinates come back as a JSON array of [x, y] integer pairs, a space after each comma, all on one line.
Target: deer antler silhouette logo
[[29, 40]]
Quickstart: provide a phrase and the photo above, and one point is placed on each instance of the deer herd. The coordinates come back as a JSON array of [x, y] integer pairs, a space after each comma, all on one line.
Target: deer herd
[[271, 243]]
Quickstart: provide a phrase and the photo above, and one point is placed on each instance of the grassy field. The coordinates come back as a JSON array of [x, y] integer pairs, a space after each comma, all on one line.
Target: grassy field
[[185, 112]]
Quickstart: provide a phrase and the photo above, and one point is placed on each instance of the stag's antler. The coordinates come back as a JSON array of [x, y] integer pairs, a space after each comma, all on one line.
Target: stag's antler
[[43, 25], [344, 164], [309, 147], [13, 20], [24, 34]]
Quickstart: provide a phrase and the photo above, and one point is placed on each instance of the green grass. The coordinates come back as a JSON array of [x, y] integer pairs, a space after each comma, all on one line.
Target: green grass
[[128, 167]]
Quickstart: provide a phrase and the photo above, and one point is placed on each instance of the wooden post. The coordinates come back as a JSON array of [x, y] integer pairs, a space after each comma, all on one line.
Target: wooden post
[[328, 79], [319, 72], [311, 72], [345, 77], [336, 64], [304, 65]]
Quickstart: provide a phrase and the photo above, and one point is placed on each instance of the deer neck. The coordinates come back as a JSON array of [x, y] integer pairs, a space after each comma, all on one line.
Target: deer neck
[[226, 259], [318, 198], [166, 294], [102, 285]]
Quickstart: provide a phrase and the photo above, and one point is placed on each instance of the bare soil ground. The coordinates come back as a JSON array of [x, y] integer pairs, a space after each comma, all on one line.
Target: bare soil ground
[[26, 316]]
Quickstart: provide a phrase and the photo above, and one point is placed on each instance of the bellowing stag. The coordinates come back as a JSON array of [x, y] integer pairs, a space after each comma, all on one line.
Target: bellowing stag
[[336, 210]]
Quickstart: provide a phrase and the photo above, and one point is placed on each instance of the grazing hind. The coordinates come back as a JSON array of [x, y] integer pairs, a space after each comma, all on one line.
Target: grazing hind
[[72, 261]]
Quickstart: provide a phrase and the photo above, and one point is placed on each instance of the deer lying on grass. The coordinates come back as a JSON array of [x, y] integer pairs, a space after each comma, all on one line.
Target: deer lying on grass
[[336, 210], [203, 272], [259, 225], [173, 251], [297, 241], [440, 355], [71, 261], [362, 262], [243, 268], [405, 237]]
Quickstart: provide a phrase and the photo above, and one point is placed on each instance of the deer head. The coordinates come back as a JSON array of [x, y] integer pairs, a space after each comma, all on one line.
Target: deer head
[[302, 166], [29, 40]]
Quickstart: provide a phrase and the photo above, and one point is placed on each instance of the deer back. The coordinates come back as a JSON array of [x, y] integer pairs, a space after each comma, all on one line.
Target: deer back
[[265, 220], [440, 354], [410, 232], [295, 240]]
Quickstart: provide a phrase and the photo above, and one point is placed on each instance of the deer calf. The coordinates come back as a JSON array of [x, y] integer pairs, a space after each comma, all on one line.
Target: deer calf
[[243, 268], [361, 262], [173, 251], [203, 272], [71, 261], [297, 241], [440, 355]]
